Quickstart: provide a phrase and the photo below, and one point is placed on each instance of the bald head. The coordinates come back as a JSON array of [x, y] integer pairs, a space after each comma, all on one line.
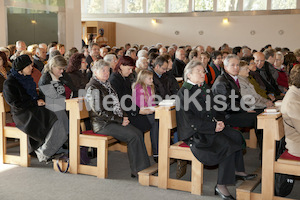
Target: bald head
[[259, 59]]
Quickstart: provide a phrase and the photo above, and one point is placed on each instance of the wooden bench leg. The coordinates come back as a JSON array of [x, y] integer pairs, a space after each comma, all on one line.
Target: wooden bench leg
[[102, 151], [24, 155], [252, 141], [197, 177]]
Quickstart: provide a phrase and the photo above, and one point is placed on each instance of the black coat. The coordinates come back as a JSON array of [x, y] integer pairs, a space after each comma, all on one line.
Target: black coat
[[170, 83], [36, 121], [159, 85], [224, 85], [123, 87], [197, 128], [178, 67]]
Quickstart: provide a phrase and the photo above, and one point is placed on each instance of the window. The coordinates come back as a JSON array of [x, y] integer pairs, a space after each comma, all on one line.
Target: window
[[255, 4], [286, 4], [134, 6], [203, 5], [156, 6], [92, 6], [227, 5], [178, 5], [114, 6]]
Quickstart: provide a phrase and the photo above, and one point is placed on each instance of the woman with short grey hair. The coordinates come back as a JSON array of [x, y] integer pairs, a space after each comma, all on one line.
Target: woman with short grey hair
[[111, 120]]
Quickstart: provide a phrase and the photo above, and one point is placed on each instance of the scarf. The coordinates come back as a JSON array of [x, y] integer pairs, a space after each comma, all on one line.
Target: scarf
[[116, 103], [27, 83]]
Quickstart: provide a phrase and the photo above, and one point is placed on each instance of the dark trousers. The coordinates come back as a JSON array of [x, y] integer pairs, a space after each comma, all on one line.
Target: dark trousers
[[245, 119], [154, 133], [137, 153], [232, 163]]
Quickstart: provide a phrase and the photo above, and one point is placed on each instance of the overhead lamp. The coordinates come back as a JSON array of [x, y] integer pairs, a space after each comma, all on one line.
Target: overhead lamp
[[33, 21], [225, 20], [154, 21]]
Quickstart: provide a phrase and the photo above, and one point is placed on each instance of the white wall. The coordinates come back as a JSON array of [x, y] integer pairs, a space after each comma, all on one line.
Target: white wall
[[237, 32]]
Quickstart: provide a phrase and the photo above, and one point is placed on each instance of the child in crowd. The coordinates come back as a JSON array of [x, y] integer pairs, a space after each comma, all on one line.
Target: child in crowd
[[143, 96]]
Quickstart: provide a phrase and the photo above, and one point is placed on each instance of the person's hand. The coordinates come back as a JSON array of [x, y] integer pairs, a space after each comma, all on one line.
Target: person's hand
[[41, 102], [220, 126], [269, 104], [125, 121], [146, 111], [271, 96]]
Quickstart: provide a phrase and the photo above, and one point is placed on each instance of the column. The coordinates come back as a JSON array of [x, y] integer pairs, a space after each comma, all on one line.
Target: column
[[3, 24], [71, 24]]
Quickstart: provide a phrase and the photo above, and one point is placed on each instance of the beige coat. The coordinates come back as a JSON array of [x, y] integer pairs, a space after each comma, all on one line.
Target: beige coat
[[290, 110], [248, 89]]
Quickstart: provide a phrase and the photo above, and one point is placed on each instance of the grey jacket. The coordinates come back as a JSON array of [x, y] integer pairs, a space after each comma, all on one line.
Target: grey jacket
[[248, 89]]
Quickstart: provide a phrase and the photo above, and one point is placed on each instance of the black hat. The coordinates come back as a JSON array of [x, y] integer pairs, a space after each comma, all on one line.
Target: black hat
[[21, 62]]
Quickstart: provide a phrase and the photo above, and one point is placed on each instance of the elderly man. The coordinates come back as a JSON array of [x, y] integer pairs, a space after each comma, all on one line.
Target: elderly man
[[179, 64], [20, 46], [132, 53], [267, 72], [40, 58], [233, 110]]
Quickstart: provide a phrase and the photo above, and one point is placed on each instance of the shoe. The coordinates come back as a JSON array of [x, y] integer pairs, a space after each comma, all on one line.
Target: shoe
[[155, 158], [247, 177], [181, 168], [224, 197], [134, 175]]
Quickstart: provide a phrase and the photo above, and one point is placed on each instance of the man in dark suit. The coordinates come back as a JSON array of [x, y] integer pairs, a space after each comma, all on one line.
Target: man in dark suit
[[227, 86], [160, 67], [179, 64]]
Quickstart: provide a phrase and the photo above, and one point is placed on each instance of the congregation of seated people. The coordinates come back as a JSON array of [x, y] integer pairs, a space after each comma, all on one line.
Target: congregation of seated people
[[36, 80]]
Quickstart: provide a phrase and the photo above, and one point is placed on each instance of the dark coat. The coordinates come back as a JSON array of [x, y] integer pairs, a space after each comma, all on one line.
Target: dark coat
[[170, 83], [197, 128], [159, 85], [123, 87], [79, 79], [36, 121], [215, 68], [224, 85], [38, 63], [267, 78], [178, 67], [99, 117]]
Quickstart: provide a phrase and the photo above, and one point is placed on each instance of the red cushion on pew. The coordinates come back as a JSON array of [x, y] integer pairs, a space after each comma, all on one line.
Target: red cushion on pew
[[288, 156], [90, 132], [184, 145], [11, 124]]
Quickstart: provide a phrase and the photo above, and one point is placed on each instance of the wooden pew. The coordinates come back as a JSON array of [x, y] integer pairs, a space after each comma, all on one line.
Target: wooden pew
[[167, 121], [272, 124], [10, 131], [78, 112]]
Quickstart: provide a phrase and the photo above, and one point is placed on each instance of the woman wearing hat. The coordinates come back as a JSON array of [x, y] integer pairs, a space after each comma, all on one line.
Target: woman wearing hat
[[46, 133]]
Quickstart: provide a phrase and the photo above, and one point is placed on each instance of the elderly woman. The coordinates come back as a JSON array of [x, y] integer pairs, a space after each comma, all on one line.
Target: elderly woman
[[210, 140], [141, 64], [57, 86], [282, 79], [248, 89], [77, 71], [111, 120], [290, 110], [45, 131]]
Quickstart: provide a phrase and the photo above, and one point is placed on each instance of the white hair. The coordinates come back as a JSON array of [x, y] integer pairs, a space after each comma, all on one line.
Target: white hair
[[109, 57], [229, 57], [140, 61], [142, 53]]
